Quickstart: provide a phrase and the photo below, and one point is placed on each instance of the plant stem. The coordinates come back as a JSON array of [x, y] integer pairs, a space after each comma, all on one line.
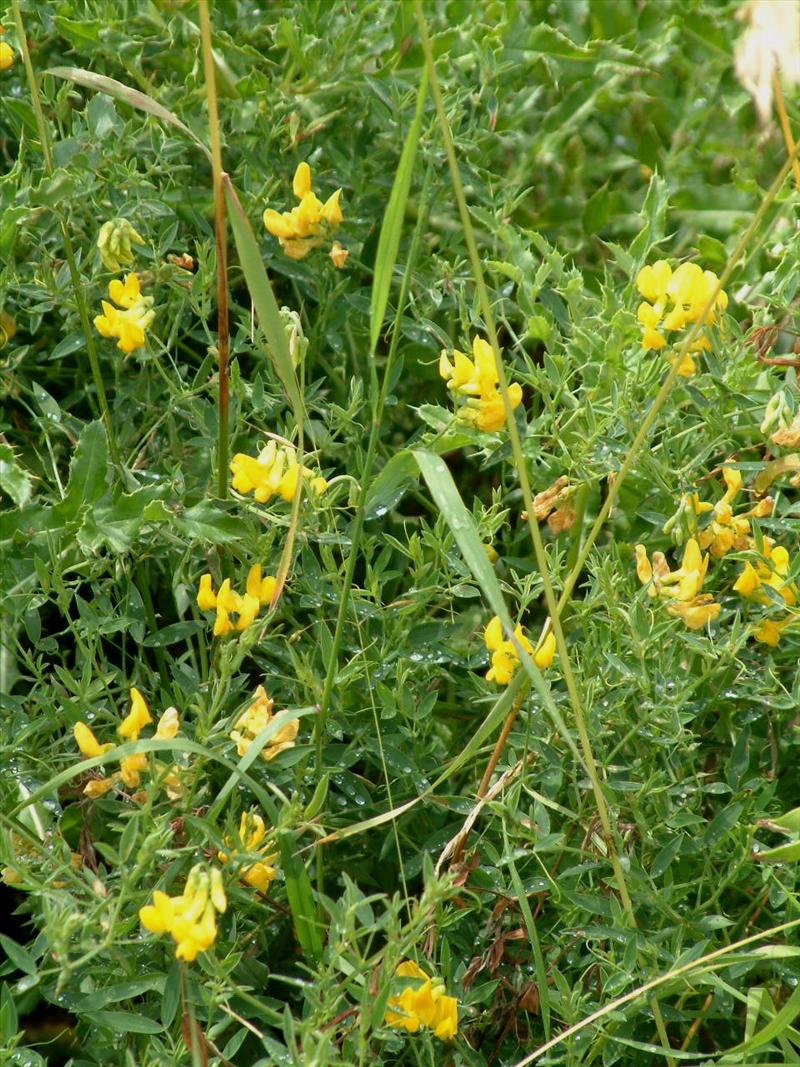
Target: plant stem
[[786, 129], [69, 252], [221, 238]]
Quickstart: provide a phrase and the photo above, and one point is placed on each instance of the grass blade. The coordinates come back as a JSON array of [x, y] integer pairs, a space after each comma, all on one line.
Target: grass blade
[[448, 499], [111, 87], [389, 241]]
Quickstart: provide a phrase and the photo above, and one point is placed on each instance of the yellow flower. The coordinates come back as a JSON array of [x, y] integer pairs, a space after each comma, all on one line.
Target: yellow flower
[[477, 380], [504, 655], [727, 531], [87, 742], [138, 717], [8, 327], [674, 300], [6, 55], [772, 571], [129, 324], [131, 767], [191, 917], [274, 471], [254, 719], [424, 1003], [696, 612], [252, 833], [680, 588], [309, 224], [769, 631], [206, 597], [338, 255], [228, 602]]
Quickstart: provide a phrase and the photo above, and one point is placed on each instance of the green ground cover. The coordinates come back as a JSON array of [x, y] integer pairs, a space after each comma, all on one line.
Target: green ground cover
[[399, 470]]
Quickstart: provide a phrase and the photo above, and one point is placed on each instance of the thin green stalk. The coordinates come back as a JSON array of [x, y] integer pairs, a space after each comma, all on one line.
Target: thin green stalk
[[69, 252], [358, 523], [519, 461], [221, 238]]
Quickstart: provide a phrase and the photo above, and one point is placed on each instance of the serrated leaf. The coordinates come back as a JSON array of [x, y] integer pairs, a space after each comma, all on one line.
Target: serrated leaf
[[14, 480], [87, 470], [205, 522]]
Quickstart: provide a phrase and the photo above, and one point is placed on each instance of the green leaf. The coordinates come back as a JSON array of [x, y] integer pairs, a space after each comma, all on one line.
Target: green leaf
[[789, 821], [19, 956], [300, 897], [125, 1022], [89, 80], [780, 854], [206, 522], [88, 470], [14, 480], [391, 484], [389, 241], [269, 318], [448, 499]]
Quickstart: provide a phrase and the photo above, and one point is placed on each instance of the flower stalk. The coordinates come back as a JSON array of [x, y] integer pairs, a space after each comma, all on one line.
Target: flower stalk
[[221, 239]]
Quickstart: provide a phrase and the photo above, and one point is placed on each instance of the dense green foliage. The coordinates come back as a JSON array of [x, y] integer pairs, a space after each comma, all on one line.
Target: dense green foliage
[[593, 137]]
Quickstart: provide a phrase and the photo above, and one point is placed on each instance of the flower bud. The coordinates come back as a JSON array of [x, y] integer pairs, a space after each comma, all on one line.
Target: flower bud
[[114, 244], [777, 414]]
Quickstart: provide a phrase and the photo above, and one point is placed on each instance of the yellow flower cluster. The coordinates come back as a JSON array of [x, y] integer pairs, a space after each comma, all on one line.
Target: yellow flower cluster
[[423, 1003], [726, 531], [477, 380], [227, 602], [252, 834], [504, 655], [274, 471], [190, 918], [674, 300], [680, 588], [129, 324], [255, 719], [131, 767], [308, 225], [769, 571]]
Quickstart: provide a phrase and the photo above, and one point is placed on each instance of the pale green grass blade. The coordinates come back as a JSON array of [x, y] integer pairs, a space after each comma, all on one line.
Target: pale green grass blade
[[773, 1029], [301, 900], [389, 241], [448, 499], [267, 312], [89, 80]]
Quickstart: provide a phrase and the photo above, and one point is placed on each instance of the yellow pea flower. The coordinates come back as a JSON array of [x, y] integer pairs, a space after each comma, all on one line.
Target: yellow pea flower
[[254, 719], [679, 588], [191, 917], [309, 224], [477, 379], [424, 1003], [206, 597], [129, 324], [87, 742], [504, 655], [138, 717], [252, 833], [274, 471], [674, 300]]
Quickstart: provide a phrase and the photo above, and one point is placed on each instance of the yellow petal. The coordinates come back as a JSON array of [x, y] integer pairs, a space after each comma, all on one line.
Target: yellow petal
[[302, 180]]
